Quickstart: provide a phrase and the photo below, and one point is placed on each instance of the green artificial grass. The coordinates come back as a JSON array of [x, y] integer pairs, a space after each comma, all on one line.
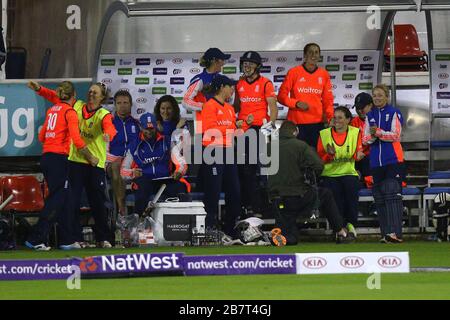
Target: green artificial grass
[[415, 285]]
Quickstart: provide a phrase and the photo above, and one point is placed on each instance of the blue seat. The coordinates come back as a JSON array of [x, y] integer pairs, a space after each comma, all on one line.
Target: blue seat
[[436, 190], [439, 175], [365, 192], [440, 144], [409, 191]]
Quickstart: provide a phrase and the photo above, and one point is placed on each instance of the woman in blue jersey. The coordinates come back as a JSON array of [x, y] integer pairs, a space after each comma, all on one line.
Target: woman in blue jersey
[[382, 132]]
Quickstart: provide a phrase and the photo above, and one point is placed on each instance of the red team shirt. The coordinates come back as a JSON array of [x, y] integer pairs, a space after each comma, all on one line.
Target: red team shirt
[[312, 88], [253, 99], [219, 116], [59, 129]]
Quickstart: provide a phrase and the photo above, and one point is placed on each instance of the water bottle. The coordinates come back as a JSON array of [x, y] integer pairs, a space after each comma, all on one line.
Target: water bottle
[[88, 235], [118, 238]]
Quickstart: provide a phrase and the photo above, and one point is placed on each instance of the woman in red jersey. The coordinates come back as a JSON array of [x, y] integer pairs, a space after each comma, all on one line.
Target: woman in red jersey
[[307, 92], [59, 129], [220, 125]]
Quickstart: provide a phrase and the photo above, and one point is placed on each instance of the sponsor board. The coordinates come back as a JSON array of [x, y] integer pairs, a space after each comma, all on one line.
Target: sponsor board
[[240, 264], [332, 67], [141, 100], [332, 59], [159, 71], [349, 68], [158, 263], [266, 69], [125, 72], [143, 61], [175, 71], [279, 78], [443, 95], [351, 58], [193, 71], [159, 90], [440, 77], [141, 81], [177, 80], [366, 67], [229, 70], [138, 264], [365, 86], [352, 262], [442, 57], [108, 62], [348, 76], [142, 71]]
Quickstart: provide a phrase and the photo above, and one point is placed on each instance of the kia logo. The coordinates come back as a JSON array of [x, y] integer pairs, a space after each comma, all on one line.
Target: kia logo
[[443, 85], [177, 60], [194, 60], [108, 80], [160, 61], [141, 90], [140, 111], [349, 96], [107, 71], [195, 70], [124, 81], [280, 69], [367, 58], [389, 262], [314, 263], [298, 59], [352, 262], [281, 59], [443, 75], [177, 71], [334, 86], [263, 60], [141, 100]]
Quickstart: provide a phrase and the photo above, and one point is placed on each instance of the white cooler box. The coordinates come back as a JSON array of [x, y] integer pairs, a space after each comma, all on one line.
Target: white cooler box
[[175, 222]]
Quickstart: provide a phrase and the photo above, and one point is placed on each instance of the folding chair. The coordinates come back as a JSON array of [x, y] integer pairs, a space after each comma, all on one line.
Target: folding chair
[[28, 198]]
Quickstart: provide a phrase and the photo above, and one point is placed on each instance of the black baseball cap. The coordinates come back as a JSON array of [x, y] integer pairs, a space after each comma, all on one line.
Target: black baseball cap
[[216, 53], [362, 100], [220, 80]]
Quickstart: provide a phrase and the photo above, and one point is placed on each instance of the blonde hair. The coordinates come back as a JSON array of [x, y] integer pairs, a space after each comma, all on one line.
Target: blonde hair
[[104, 90], [382, 87], [65, 90]]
